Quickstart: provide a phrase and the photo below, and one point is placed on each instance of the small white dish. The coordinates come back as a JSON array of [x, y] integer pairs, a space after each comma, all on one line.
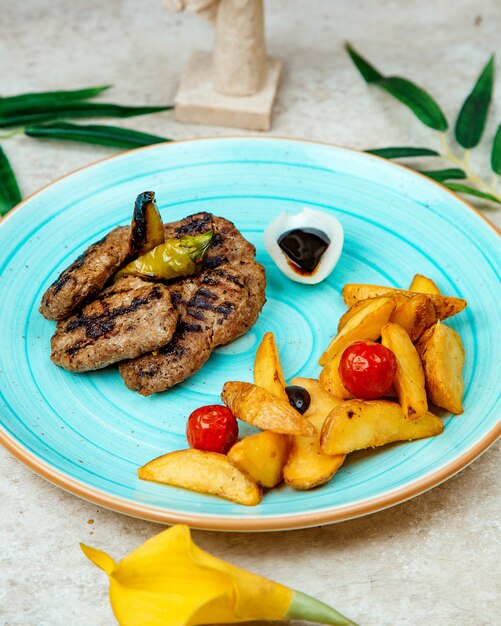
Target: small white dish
[[307, 218]]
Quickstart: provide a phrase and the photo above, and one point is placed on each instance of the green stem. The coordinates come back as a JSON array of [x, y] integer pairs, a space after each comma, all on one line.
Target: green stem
[[464, 164], [19, 131], [304, 607]]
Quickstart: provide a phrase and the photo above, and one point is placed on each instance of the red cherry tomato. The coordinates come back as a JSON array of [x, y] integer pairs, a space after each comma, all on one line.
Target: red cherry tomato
[[213, 428], [367, 369]]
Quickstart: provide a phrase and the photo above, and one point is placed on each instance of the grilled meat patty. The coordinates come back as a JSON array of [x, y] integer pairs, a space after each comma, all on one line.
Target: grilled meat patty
[[214, 307], [86, 276], [131, 317]]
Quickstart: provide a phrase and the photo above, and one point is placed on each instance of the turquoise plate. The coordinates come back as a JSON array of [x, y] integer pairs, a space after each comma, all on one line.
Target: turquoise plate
[[89, 434]]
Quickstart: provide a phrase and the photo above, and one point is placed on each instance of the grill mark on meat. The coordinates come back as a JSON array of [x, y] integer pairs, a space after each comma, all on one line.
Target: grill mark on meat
[[214, 262], [224, 274], [130, 318], [96, 326], [224, 309], [207, 294], [210, 280], [174, 347], [195, 225], [176, 297], [184, 327]]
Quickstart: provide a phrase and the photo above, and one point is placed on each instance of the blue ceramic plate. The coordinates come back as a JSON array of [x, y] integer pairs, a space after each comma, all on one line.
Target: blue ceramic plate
[[89, 434]]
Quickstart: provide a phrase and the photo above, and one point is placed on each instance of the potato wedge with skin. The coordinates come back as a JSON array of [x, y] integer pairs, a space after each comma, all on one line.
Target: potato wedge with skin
[[442, 355], [445, 306], [409, 380], [330, 378], [259, 407], [308, 466], [268, 369], [415, 315], [362, 304], [423, 284], [204, 472], [363, 326], [262, 457], [359, 424]]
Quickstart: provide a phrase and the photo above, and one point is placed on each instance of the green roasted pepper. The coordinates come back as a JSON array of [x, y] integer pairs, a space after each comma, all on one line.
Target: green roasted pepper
[[147, 229], [172, 259]]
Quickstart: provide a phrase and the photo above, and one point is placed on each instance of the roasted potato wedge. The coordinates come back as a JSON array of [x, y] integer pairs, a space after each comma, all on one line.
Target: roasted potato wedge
[[307, 466], [204, 472], [364, 325], [261, 457], [259, 407], [423, 284], [415, 315], [442, 355], [330, 379], [362, 304], [360, 424], [268, 369], [409, 380], [445, 306], [147, 229]]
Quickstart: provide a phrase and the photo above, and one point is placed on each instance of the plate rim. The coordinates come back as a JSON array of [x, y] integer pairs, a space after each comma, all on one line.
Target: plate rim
[[256, 523]]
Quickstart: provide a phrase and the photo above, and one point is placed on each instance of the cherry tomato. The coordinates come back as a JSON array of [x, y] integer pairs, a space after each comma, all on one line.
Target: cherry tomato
[[212, 427], [367, 369]]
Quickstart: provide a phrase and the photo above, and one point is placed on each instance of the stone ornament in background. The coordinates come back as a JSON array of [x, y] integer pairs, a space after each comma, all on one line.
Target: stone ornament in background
[[236, 85]]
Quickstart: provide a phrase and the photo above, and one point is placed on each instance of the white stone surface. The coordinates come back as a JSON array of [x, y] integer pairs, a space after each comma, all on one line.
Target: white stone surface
[[433, 560]]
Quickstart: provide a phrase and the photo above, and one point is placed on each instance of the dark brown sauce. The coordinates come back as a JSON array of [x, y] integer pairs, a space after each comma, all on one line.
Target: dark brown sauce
[[304, 247]]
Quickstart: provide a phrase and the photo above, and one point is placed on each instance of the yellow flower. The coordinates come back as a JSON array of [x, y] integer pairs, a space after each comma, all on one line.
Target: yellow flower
[[169, 581]]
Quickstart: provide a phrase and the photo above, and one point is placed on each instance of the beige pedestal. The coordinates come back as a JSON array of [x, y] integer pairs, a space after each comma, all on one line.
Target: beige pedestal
[[198, 102]]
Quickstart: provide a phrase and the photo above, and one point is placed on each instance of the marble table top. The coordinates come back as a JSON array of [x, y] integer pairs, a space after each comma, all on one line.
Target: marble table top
[[434, 559]]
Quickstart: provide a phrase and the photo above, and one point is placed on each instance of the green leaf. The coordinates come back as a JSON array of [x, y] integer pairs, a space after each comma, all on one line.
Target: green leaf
[[473, 115], [65, 110], [496, 152], [39, 101], [460, 188], [419, 101], [401, 152], [450, 174], [95, 134], [368, 71], [9, 189]]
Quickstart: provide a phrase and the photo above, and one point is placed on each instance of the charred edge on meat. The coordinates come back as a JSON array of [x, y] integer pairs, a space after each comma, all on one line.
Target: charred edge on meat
[[196, 225], [66, 276]]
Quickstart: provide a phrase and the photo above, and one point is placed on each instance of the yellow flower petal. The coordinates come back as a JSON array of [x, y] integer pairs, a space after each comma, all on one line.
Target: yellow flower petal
[[169, 581], [99, 558], [250, 590]]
